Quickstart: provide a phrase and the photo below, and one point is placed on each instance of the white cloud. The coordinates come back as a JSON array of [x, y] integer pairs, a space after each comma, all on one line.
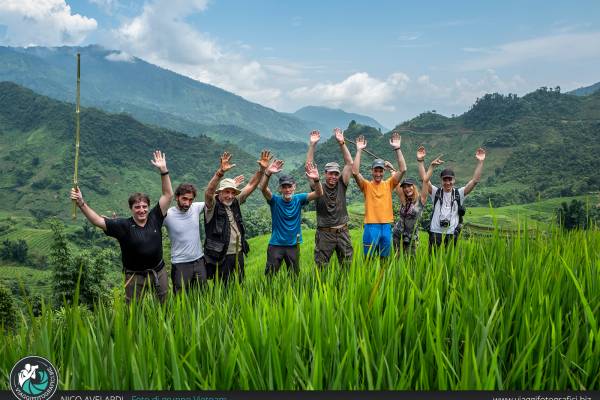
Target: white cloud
[[161, 35], [556, 48], [43, 22], [358, 90], [120, 56]]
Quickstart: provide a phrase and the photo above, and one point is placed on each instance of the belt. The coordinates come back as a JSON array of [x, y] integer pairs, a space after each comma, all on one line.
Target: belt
[[333, 230], [147, 271]]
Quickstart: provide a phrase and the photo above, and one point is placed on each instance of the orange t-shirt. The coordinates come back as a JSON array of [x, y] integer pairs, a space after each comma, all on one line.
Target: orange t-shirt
[[378, 202]]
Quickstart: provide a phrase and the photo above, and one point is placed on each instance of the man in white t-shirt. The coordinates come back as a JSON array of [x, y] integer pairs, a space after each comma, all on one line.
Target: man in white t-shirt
[[183, 224], [447, 200]]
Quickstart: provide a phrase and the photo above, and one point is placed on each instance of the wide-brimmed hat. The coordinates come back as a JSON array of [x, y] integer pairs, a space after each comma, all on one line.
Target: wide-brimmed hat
[[228, 183]]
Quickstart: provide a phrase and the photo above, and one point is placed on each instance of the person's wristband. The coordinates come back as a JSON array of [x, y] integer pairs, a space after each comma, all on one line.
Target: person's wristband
[[343, 142], [164, 173], [316, 180], [81, 205], [268, 175], [420, 160], [396, 148], [220, 174]]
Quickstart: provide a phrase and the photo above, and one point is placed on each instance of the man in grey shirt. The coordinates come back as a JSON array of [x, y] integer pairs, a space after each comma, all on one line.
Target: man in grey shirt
[[332, 216], [183, 225]]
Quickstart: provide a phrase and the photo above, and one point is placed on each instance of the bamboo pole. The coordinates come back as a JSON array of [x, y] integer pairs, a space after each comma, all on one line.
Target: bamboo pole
[[75, 173]]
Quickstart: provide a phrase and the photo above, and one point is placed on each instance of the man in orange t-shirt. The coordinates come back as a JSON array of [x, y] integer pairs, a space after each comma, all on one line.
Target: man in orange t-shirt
[[377, 236]]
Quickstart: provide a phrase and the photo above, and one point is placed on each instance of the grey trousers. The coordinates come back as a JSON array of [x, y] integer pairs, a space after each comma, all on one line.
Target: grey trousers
[[326, 243], [188, 275], [137, 283]]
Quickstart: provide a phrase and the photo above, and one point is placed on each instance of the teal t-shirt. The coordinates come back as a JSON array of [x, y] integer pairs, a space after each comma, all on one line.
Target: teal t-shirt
[[286, 219]]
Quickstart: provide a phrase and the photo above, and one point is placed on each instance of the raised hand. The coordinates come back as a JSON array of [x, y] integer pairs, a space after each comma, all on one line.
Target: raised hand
[[361, 142], [339, 135], [480, 154], [265, 157], [238, 180], [311, 171], [421, 153], [437, 161], [225, 164], [315, 136], [395, 140], [159, 161], [275, 167]]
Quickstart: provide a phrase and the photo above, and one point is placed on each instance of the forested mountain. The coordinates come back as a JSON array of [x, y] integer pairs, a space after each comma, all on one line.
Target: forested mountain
[[584, 91], [325, 119], [37, 152], [149, 93], [544, 144]]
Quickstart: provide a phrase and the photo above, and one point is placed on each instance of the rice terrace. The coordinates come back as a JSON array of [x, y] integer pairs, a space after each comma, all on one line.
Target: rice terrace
[[330, 199]]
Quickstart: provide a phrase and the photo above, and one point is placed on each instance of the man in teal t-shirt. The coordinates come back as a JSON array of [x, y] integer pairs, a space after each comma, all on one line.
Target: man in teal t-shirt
[[286, 213]]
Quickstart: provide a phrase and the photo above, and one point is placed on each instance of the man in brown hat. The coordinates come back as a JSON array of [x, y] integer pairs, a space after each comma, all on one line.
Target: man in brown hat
[[225, 244], [332, 233]]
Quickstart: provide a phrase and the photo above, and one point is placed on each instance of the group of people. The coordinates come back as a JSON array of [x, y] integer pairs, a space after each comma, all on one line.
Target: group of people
[[224, 248]]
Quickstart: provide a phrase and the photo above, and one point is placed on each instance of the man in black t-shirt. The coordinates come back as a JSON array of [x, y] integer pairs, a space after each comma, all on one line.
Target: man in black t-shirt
[[139, 236], [332, 233]]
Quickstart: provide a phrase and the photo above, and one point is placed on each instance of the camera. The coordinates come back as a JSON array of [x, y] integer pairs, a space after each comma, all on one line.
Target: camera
[[444, 223]]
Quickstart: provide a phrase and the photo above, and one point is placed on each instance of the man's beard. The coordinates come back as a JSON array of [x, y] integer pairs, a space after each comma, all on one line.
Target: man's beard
[[227, 203], [287, 196], [183, 208]]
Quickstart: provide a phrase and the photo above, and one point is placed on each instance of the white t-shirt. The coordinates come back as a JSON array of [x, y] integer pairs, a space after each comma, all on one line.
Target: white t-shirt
[[184, 233], [445, 210]]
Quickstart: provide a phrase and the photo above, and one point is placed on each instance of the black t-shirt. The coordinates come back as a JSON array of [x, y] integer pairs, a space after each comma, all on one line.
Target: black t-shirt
[[141, 247], [331, 207]]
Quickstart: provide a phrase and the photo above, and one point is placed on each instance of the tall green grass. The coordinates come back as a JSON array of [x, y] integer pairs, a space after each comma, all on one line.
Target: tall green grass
[[519, 313]]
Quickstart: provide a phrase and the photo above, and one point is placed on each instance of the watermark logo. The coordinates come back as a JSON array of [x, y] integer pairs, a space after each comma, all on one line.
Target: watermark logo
[[33, 378]]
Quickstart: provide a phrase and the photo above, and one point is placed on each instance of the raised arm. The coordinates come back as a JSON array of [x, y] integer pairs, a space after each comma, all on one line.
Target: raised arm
[[395, 142], [480, 156], [263, 163], [209, 193], [361, 144], [90, 214], [160, 162], [312, 173], [347, 170], [315, 136], [426, 190], [275, 167]]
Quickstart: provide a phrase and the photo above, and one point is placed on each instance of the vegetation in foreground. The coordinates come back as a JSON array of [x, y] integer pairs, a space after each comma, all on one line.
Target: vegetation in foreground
[[499, 313]]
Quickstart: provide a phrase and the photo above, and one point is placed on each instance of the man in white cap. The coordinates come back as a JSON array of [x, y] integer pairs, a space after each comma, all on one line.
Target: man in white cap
[[225, 245], [332, 234]]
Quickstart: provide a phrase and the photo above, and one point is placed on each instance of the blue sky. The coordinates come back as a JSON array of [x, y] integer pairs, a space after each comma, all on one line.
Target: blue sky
[[388, 59]]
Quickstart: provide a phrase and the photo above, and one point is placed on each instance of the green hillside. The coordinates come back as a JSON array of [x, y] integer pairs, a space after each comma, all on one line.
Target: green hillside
[[141, 89], [542, 145], [37, 152]]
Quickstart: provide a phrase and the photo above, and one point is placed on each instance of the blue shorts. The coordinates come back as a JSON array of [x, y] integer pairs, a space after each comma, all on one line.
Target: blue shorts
[[377, 239]]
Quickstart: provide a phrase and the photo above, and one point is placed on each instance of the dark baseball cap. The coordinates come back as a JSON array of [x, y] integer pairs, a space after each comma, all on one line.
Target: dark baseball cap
[[408, 181], [447, 173], [286, 180], [378, 163]]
